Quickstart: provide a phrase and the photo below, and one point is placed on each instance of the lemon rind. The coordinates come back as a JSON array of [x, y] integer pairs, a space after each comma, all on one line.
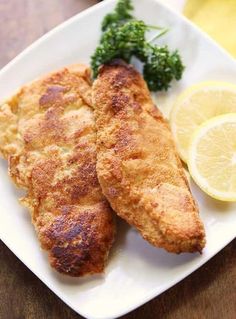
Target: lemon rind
[[200, 181], [183, 153]]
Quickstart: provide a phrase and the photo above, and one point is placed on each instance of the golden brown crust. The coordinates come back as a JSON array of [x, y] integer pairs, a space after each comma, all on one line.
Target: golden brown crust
[[138, 167], [79, 240], [47, 132]]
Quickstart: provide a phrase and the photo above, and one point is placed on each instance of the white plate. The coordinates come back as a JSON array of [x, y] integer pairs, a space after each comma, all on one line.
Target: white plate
[[137, 272]]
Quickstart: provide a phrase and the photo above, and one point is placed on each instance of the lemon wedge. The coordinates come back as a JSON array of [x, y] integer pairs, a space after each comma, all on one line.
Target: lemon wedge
[[196, 105], [212, 157]]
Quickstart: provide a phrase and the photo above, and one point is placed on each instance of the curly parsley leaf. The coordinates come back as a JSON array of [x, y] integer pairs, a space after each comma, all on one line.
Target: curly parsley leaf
[[124, 37]]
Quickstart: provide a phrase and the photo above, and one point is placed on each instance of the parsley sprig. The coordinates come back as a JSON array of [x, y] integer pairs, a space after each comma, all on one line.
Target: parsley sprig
[[124, 37]]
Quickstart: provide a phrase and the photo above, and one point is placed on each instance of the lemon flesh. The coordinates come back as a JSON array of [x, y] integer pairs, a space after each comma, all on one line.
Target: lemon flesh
[[196, 105], [212, 157]]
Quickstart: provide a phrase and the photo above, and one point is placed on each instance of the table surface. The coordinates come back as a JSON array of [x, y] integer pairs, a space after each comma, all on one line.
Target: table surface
[[210, 292]]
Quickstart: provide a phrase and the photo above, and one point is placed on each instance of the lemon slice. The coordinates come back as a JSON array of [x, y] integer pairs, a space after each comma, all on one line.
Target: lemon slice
[[212, 157], [196, 105]]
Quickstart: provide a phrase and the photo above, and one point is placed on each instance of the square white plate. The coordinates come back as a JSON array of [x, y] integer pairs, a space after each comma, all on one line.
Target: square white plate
[[137, 272]]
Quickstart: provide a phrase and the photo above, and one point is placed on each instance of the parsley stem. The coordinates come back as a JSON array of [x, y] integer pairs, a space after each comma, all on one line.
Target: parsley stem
[[155, 27], [158, 35]]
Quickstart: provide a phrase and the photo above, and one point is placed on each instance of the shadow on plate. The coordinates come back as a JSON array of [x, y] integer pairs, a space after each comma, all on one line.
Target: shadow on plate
[[130, 246], [218, 208], [158, 257]]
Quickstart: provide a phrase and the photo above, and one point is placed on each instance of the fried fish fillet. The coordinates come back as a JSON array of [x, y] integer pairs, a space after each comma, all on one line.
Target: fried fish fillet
[[47, 133], [138, 167]]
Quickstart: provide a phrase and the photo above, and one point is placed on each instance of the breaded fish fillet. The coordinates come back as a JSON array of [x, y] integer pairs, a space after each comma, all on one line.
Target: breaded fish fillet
[[47, 132], [138, 167]]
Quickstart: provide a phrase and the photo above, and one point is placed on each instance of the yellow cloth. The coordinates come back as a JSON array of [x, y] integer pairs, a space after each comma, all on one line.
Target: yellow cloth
[[216, 17]]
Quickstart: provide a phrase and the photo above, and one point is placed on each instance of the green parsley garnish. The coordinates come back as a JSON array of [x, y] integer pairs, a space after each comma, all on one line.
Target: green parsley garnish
[[124, 37], [121, 15]]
